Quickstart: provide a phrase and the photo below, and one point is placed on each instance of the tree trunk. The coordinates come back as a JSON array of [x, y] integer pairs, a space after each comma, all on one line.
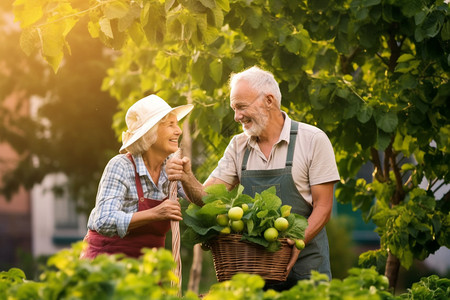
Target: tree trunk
[[196, 269], [392, 268]]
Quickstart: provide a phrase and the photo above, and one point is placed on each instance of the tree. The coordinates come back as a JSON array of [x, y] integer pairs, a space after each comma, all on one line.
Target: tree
[[373, 74], [71, 131]]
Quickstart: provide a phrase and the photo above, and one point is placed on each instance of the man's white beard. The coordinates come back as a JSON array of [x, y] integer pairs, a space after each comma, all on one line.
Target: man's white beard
[[259, 123]]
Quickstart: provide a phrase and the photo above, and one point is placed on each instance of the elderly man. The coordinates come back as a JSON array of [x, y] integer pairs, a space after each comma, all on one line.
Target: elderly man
[[273, 150]]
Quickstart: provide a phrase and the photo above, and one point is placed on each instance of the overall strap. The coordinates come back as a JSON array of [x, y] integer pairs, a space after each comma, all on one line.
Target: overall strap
[[244, 162], [293, 137], [136, 178], [290, 153]]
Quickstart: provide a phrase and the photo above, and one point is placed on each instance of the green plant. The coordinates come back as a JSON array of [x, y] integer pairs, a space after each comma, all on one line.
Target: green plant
[[105, 277], [261, 213], [431, 287], [360, 284], [150, 277]]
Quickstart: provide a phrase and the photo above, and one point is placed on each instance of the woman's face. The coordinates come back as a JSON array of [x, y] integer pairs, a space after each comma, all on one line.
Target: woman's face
[[168, 134]]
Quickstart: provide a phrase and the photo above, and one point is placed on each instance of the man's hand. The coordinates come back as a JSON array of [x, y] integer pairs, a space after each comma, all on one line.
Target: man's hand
[[178, 169], [294, 255]]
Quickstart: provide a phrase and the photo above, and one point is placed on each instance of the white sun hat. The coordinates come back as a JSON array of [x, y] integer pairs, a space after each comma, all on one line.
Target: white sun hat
[[144, 114]]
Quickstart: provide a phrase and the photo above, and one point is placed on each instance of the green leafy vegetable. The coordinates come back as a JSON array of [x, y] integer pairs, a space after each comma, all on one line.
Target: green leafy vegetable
[[260, 214]]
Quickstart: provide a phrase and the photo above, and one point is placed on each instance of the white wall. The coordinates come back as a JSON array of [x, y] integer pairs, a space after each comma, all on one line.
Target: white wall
[[43, 222]]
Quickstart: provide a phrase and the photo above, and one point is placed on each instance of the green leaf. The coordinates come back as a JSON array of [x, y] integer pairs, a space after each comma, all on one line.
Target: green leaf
[[198, 70], [208, 3], [445, 32], [408, 81], [365, 113], [224, 4], [383, 140], [361, 13], [387, 121], [299, 43], [257, 240], [168, 5], [411, 7], [405, 57], [269, 199], [116, 10], [215, 68], [368, 36], [212, 209], [419, 34], [420, 17], [366, 3], [105, 27], [298, 226], [218, 16], [55, 60], [217, 191], [238, 46], [27, 12], [29, 40], [94, 29], [130, 19]]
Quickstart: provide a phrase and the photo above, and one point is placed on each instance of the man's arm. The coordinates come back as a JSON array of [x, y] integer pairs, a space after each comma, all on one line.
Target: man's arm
[[180, 169], [322, 197]]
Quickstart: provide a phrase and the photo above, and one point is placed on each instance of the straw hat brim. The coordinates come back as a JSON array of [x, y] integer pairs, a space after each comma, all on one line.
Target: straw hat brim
[[180, 111]]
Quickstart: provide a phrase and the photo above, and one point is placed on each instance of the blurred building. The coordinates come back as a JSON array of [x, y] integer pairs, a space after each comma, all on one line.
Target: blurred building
[[15, 218], [37, 222]]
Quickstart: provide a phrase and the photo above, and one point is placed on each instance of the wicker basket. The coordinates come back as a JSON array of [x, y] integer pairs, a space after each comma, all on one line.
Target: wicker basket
[[232, 256]]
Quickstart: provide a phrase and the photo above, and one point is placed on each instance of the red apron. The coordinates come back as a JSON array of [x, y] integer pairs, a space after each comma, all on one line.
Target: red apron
[[151, 235]]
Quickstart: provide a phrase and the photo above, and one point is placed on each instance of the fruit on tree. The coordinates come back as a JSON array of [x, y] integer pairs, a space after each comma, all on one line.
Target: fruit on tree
[[222, 219], [281, 224], [235, 213], [244, 207], [271, 234], [237, 226]]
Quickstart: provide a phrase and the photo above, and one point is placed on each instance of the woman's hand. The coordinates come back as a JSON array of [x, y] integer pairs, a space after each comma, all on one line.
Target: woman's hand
[[167, 210]]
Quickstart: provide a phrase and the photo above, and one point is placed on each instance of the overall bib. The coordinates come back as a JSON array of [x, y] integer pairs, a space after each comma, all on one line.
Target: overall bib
[[151, 235], [315, 256]]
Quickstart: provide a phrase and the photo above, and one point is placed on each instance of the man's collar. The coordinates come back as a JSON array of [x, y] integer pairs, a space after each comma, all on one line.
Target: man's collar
[[286, 131]]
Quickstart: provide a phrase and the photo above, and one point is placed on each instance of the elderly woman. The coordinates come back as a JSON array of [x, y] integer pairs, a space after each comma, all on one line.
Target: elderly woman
[[132, 209]]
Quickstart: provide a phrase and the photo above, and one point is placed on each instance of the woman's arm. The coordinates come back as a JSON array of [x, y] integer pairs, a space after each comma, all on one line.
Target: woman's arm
[[167, 210]]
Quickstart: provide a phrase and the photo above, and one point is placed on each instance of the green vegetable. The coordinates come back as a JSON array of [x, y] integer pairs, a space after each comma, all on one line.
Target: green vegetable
[[261, 213]]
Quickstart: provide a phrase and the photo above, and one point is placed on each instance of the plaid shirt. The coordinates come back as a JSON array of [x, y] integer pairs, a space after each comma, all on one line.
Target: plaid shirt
[[117, 197]]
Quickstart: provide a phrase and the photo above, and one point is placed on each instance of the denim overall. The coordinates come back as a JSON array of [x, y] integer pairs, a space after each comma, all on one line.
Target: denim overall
[[315, 256]]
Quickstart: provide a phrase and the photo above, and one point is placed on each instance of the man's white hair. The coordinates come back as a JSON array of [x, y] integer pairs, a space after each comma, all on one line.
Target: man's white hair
[[259, 80]]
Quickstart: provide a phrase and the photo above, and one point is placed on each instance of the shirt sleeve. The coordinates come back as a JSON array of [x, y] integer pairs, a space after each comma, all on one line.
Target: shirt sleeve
[[108, 217], [226, 169], [323, 163]]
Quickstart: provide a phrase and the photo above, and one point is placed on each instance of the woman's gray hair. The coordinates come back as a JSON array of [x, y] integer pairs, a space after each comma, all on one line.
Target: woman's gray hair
[[147, 140], [259, 80]]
